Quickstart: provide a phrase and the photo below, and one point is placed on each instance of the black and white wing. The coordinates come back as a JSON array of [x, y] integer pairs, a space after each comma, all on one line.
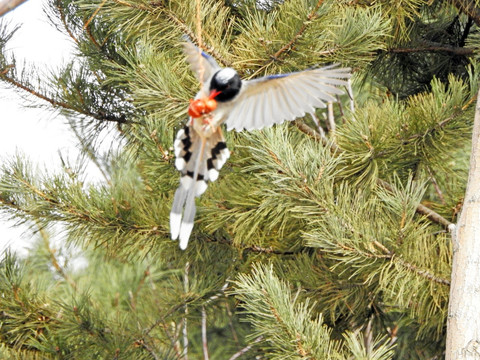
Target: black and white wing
[[200, 62], [276, 98]]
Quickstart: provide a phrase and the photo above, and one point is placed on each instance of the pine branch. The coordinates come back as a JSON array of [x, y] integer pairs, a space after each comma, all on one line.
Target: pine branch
[[100, 115], [434, 47], [289, 46], [390, 255], [8, 5], [469, 8], [82, 215], [182, 26], [64, 22], [162, 319], [423, 273], [421, 209]]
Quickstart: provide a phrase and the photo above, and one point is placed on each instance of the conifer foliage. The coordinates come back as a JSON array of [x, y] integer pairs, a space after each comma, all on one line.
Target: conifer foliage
[[324, 238]]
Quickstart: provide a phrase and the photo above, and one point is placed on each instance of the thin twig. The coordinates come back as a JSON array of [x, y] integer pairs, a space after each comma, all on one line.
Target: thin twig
[[230, 322], [161, 320], [185, 329], [331, 118], [316, 120], [388, 254], [53, 258], [340, 109], [368, 337], [423, 273], [314, 134], [150, 350], [287, 47], [90, 151], [221, 292], [436, 186], [246, 348], [134, 296], [204, 334], [94, 14], [64, 22], [350, 95], [182, 26], [440, 48], [198, 25]]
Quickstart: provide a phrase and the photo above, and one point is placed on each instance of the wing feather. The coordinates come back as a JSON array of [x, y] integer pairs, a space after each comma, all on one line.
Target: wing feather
[[275, 99], [267, 108], [262, 108], [282, 100], [200, 61]]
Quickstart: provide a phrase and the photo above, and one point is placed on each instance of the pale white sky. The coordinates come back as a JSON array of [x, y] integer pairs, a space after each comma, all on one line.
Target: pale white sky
[[34, 132]]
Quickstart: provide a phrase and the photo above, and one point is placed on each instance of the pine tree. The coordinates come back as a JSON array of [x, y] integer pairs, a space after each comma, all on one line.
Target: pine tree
[[324, 238]]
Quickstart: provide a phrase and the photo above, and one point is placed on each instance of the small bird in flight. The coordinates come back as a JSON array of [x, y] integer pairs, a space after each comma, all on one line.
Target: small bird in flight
[[200, 147]]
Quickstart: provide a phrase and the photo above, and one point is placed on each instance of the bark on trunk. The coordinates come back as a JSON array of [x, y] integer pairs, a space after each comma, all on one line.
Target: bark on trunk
[[7, 5], [463, 323]]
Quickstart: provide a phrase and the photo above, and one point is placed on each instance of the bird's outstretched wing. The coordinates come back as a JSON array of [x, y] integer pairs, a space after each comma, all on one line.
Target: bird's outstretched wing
[[200, 62], [276, 98]]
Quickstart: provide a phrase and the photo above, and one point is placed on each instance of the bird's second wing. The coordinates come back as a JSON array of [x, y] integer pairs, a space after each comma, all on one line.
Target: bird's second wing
[[202, 64], [274, 99]]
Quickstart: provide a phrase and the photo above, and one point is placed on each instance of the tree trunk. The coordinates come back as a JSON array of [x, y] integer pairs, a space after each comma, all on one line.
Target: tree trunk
[[463, 324], [8, 5]]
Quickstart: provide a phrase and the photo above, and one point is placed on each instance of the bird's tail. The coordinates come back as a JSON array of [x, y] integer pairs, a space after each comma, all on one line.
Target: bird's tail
[[199, 161]]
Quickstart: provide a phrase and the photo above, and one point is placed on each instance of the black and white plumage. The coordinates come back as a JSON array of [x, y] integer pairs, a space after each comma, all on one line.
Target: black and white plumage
[[199, 160], [200, 147]]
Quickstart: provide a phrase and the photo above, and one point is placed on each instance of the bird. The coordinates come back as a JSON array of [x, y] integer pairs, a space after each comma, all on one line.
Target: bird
[[224, 98]]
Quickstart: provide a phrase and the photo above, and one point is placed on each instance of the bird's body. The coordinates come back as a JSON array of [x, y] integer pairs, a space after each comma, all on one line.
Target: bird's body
[[200, 147]]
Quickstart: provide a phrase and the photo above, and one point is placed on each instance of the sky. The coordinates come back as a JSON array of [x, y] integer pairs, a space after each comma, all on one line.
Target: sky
[[37, 133]]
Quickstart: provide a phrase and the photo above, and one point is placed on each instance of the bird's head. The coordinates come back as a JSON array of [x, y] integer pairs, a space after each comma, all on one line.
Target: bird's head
[[227, 82]]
